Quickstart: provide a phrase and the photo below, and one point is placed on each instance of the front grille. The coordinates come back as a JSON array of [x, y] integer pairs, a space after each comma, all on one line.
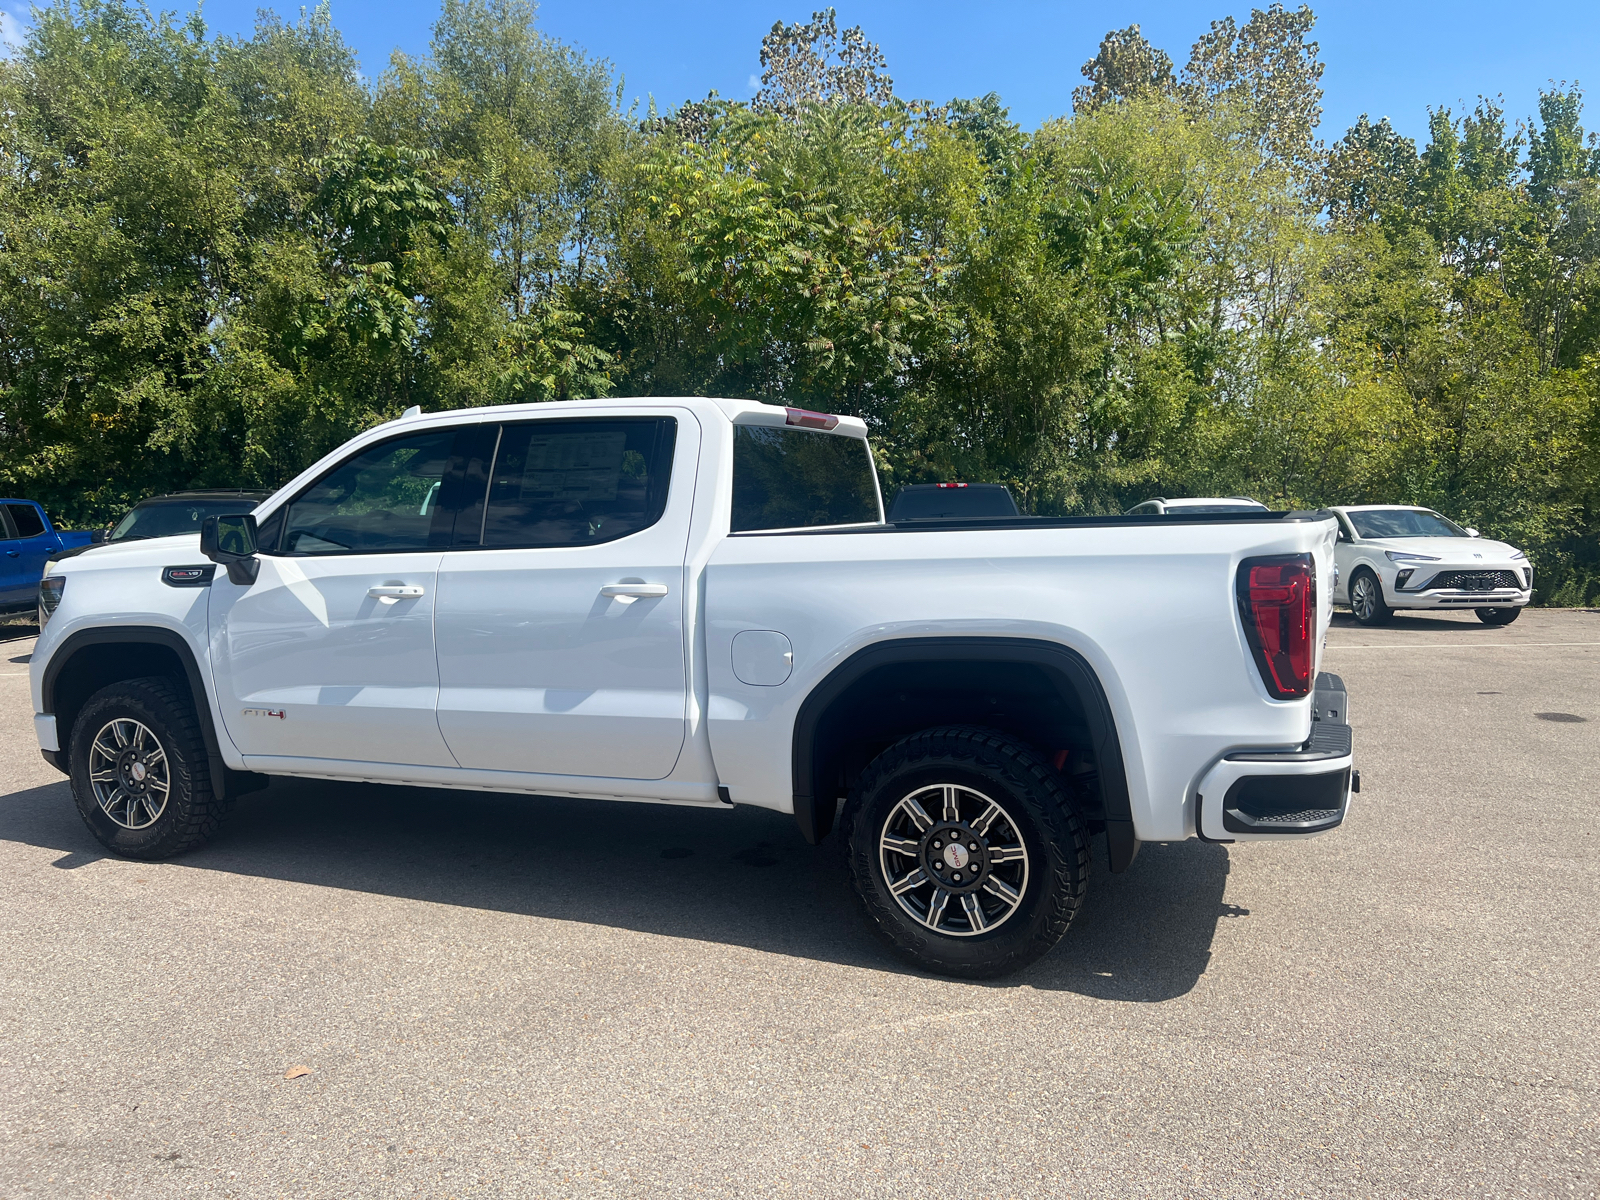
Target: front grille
[[1474, 581]]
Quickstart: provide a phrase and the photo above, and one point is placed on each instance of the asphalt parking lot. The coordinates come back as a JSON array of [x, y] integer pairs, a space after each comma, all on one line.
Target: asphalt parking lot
[[502, 997]]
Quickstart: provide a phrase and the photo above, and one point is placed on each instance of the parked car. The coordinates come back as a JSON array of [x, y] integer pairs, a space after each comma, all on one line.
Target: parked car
[[1202, 504], [699, 602], [947, 501], [1399, 556], [179, 512], [28, 537]]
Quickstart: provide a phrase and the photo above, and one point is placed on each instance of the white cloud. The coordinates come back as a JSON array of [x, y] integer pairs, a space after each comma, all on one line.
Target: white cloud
[[13, 33], [754, 83]]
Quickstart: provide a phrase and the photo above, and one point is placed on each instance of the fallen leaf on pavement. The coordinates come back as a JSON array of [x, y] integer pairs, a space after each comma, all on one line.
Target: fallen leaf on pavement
[[296, 1072]]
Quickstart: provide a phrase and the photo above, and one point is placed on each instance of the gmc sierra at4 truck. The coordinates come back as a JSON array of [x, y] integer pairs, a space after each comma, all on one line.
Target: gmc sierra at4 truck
[[699, 602]]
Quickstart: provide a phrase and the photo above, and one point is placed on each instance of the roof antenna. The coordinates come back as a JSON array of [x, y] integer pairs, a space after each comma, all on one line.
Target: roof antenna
[[414, 411]]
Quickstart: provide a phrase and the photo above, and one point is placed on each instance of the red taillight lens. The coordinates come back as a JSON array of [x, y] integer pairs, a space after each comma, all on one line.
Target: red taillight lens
[[1278, 602]]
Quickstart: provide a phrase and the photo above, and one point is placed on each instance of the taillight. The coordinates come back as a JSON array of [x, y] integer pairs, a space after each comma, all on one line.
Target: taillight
[[1278, 602]]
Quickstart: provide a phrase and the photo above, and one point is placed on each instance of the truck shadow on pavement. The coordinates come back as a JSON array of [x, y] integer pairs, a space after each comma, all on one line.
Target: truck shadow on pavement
[[744, 877]]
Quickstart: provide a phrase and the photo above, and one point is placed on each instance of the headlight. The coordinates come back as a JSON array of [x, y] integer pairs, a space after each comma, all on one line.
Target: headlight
[[1402, 556], [1519, 556], [50, 589]]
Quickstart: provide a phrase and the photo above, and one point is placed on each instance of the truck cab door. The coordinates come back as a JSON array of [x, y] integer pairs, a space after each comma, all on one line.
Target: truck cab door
[[23, 553], [561, 610], [329, 654]]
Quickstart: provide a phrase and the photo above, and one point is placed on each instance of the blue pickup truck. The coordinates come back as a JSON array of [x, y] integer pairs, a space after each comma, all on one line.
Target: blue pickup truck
[[27, 538]]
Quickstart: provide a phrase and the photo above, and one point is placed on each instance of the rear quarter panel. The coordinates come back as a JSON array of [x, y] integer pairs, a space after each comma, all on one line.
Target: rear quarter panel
[[1152, 608]]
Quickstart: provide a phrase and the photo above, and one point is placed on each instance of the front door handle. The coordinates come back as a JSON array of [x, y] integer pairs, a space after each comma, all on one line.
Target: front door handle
[[395, 591], [639, 591]]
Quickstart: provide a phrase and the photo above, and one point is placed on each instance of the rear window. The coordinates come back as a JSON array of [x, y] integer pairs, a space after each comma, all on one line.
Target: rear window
[[796, 479]]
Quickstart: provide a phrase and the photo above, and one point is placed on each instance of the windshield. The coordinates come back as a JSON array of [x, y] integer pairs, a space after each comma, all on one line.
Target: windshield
[[1403, 523], [165, 518]]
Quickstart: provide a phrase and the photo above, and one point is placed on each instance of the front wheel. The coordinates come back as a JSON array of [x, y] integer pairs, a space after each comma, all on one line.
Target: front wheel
[[139, 770], [1498, 616], [1366, 599], [966, 851]]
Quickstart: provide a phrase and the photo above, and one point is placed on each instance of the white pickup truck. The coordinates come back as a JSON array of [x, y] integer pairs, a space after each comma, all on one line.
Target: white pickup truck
[[698, 601]]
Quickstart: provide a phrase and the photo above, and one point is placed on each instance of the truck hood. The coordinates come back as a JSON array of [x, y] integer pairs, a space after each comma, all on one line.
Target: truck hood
[[1447, 549], [177, 550]]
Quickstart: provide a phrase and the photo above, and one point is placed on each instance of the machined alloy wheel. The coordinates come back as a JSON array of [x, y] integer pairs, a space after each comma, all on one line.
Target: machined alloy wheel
[[967, 851], [954, 860], [129, 772], [140, 773]]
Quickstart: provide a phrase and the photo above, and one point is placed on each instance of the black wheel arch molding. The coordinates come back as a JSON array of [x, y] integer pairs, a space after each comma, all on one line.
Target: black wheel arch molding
[[1068, 672], [226, 781]]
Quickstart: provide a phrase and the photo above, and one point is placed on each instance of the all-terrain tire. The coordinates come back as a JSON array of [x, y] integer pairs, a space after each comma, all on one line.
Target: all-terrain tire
[[974, 768], [1498, 616], [119, 794]]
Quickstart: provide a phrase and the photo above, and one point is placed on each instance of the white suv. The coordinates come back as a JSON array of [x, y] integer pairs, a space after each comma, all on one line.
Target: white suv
[[1397, 556], [1161, 506]]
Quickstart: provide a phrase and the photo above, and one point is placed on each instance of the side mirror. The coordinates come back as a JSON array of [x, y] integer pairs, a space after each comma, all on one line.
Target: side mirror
[[1343, 536], [231, 541], [97, 536], [1471, 532]]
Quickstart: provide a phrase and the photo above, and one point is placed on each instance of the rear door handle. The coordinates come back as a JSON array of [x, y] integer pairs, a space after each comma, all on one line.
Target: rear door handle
[[395, 591], [639, 591]]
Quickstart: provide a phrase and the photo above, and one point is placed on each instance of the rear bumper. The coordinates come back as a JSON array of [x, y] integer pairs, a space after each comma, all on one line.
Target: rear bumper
[[1276, 794]]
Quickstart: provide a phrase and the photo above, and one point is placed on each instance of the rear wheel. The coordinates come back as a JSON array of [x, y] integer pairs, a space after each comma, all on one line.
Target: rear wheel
[[1366, 599], [139, 770], [966, 851], [1498, 616]]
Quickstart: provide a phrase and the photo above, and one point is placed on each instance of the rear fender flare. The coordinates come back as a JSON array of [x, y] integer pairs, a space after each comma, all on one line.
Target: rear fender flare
[[1069, 670]]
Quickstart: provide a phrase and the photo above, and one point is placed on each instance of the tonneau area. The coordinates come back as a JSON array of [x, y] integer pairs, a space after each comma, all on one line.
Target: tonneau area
[[1115, 520]]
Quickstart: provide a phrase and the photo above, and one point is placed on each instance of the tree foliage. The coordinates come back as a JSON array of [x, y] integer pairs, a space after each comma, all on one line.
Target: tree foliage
[[220, 257]]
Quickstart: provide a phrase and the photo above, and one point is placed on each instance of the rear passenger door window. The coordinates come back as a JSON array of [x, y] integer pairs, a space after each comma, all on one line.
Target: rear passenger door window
[[577, 483], [25, 517]]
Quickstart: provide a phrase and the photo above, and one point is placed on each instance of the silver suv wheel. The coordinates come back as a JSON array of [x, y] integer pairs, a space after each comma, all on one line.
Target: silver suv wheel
[[1364, 597]]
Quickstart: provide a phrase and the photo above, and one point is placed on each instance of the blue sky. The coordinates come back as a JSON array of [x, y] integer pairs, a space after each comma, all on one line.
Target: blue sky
[[1393, 59]]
